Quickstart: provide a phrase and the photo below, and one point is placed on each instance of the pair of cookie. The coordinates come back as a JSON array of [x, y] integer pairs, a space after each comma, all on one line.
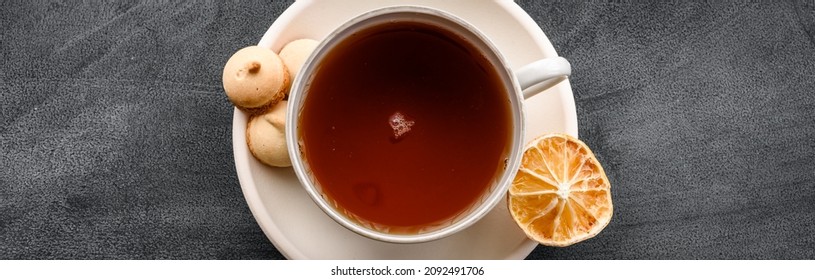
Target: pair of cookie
[[257, 80]]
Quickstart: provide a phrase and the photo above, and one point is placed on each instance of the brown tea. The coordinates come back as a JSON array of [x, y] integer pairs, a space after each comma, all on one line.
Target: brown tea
[[405, 124]]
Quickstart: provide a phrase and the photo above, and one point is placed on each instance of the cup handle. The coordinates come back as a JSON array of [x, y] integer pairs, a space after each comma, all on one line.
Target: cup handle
[[542, 74]]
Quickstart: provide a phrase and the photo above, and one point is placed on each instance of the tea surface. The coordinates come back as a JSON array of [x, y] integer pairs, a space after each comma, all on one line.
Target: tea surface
[[405, 124]]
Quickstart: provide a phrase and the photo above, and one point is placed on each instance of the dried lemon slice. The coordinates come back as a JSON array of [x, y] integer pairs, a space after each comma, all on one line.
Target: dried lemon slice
[[561, 194]]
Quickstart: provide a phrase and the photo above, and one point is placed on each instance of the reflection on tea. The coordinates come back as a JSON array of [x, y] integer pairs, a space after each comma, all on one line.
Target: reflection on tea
[[405, 124]]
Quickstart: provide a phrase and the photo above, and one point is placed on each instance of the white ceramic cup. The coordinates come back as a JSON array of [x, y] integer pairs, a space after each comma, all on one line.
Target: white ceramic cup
[[540, 74]]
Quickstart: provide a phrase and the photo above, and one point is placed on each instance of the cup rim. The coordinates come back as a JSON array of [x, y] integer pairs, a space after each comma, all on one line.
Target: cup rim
[[480, 209]]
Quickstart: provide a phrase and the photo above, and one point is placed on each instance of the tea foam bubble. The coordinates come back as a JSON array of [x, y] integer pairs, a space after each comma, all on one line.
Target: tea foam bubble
[[400, 124]]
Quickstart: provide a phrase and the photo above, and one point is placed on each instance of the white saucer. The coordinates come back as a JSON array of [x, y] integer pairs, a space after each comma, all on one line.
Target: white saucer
[[300, 230]]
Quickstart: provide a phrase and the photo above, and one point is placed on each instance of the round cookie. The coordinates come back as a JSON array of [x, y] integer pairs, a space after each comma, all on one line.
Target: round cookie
[[255, 77], [295, 53], [265, 136]]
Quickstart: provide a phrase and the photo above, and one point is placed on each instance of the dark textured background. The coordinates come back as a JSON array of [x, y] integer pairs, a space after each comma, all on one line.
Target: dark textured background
[[115, 132]]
